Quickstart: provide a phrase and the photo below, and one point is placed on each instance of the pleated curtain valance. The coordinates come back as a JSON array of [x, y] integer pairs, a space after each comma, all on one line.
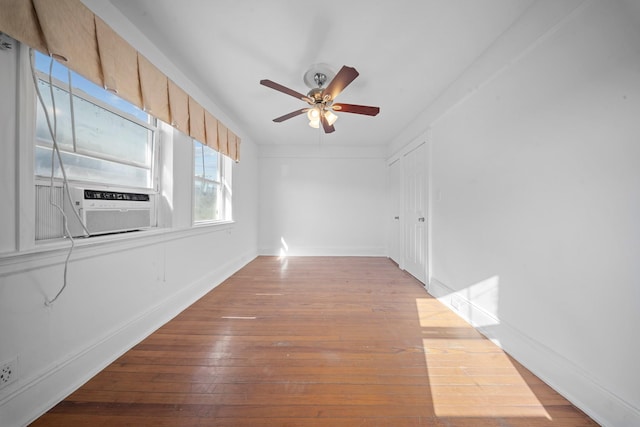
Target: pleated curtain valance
[[72, 34]]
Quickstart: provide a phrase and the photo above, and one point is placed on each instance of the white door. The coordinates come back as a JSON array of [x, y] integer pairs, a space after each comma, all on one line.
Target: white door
[[415, 212], [395, 209]]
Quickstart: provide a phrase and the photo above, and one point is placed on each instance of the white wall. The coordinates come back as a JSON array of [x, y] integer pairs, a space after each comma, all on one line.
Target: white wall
[[120, 288], [322, 200], [535, 207]]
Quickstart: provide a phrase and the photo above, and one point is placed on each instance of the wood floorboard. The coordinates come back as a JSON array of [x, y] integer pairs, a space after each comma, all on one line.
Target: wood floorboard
[[310, 342]]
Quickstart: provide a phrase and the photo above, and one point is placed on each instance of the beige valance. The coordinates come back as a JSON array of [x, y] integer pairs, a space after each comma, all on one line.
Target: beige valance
[[71, 33], [119, 62], [19, 17], [179, 107], [223, 138], [196, 121], [211, 130], [154, 86]]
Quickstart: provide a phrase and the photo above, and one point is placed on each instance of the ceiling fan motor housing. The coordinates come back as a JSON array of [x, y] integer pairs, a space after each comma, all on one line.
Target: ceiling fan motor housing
[[317, 95], [320, 79], [315, 72]]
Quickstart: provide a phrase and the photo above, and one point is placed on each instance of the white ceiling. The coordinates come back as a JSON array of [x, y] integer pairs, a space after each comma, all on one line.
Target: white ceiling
[[406, 51]]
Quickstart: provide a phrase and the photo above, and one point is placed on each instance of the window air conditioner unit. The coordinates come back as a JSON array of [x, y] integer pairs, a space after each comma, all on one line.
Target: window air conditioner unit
[[105, 211]]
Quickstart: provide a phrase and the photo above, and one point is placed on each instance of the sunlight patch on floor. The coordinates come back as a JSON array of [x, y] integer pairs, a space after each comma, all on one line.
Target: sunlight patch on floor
[[469, 375]]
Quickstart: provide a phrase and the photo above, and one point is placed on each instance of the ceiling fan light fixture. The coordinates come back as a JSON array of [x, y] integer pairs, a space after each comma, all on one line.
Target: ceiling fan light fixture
[[331, 118], [314, 123], [313, 114]]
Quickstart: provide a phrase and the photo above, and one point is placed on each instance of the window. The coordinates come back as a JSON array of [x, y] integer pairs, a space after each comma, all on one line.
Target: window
[[103, 141], [108, 144], [102, 138], [211, 185]]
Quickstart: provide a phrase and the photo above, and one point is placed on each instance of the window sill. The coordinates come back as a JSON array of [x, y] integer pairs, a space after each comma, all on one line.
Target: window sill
[[213, 224], [54, 251]]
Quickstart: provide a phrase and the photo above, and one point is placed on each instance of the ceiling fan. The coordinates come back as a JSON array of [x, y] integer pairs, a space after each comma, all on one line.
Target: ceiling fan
[[321, 99]]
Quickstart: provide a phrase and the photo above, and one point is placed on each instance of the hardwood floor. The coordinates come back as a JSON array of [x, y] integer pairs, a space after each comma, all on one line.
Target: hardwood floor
[[331, 342]]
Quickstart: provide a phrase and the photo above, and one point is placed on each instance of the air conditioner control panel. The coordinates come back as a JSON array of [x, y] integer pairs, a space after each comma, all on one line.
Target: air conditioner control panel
[[114, 195], [100, 199]]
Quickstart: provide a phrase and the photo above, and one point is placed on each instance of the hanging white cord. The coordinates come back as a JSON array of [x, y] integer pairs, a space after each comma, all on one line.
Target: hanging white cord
[[56, 151]]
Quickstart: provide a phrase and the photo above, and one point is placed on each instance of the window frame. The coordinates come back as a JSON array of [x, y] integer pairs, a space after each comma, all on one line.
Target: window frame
[[152, 141], [152, 149], [172, 174], [225, 205]]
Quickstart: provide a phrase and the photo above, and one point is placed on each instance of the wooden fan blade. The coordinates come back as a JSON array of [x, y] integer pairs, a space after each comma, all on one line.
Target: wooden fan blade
[[345, 76], [357, 109], [325, 124], [284, 89], [290, 115]]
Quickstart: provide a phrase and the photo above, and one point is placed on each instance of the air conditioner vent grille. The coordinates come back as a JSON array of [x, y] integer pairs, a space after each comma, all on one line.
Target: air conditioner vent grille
[[108, 221], [49, 222]]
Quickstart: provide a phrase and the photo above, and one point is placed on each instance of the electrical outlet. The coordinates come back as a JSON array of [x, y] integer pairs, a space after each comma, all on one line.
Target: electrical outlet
[[8, 372]]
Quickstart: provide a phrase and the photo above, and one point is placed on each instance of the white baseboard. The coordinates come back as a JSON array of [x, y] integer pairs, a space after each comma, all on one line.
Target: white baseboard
[[58, 381], [325, 251], [564, 376]]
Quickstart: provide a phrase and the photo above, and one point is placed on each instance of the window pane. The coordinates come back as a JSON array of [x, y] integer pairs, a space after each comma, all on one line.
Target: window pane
[[206, 197], [107, 97], [84, 168], [206, 162], [104, 133], [208, 202], [62, 124], [98, 131], [60, 72]]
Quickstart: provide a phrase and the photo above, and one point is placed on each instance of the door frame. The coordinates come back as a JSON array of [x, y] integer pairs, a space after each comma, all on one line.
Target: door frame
[[400, 156], [396, 207]]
